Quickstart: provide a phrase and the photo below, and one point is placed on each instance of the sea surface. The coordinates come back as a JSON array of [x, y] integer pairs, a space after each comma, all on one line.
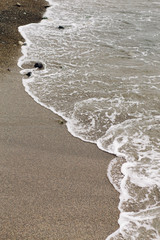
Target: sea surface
[[102, 75]]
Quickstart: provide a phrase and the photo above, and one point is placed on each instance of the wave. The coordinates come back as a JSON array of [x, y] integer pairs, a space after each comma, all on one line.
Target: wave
[[103, 79]]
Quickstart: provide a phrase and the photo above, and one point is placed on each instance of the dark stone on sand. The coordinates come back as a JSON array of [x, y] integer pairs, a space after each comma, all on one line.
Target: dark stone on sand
[[38, 65], [29, 74], [47, 6], [60, 27], [60, 121], [44, 17]]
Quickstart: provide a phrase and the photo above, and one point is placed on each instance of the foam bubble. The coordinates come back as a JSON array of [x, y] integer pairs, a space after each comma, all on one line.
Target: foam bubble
[[103, 79]]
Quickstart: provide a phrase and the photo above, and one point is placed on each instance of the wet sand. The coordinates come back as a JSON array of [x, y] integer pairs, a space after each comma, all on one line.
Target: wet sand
[[53, 186]]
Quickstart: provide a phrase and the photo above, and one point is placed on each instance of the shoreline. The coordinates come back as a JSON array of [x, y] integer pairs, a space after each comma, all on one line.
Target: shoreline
[[13, 16], [53, 185]]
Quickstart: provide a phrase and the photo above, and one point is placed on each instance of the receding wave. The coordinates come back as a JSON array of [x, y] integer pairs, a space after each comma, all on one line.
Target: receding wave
[[101, 74]]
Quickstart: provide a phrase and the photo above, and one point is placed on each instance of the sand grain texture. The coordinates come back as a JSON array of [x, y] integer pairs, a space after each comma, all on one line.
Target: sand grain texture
[[53, 186]]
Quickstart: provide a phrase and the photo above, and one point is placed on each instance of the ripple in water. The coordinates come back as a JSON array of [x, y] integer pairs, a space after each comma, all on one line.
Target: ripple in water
[[101, 73]]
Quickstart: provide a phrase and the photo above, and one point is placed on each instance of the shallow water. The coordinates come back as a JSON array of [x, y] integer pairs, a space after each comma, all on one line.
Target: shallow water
[[101, 74]]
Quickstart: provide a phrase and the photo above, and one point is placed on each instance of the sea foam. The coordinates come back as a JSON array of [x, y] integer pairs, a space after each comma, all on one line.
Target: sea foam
[[101, 74]]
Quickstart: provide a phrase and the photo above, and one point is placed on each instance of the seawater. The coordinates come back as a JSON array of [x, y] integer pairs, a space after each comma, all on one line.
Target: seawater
[[102, 75]]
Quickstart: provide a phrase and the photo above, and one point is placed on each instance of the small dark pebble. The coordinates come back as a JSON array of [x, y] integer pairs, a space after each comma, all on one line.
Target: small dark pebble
[[44, 17], [60, 27], [29, 74], [38, 65], [47, 6], [8, 69], [60, 121]]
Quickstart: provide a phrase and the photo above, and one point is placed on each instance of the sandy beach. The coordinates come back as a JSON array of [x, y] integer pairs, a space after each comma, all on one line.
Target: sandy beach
[[53, 186]]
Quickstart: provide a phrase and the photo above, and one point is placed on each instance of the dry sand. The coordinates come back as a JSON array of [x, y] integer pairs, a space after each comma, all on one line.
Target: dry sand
[[52, 186]]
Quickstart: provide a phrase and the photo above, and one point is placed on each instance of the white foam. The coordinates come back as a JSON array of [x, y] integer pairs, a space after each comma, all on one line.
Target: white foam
[[109, 110]]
